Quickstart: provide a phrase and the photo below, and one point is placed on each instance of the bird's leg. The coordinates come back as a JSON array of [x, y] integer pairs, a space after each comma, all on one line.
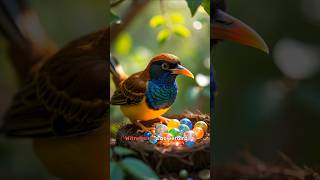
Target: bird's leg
[[163, 119], [143, 128]]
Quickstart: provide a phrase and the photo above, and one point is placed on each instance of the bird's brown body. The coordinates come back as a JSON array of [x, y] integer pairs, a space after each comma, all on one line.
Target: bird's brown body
[[62, 106], [132, 91]]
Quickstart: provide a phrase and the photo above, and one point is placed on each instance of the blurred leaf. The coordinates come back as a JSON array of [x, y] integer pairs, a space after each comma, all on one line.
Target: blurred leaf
[[138, 169], [115, 171], [163, 36], [115, 128], [114, 18], [177, 18], [123, 44], [206, 6], [157, 21], [309, 96], [110, 153], [181, 30], [193, 5], [123, 151], [206, 91], [192, 94]]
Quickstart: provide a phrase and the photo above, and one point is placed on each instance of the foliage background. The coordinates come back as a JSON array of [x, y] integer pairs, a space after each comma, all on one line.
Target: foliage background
[[270, 103], [64, 21]]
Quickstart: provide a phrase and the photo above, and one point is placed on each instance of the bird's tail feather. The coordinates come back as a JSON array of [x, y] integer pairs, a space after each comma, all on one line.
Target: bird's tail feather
[[27, 40], [117, 71]]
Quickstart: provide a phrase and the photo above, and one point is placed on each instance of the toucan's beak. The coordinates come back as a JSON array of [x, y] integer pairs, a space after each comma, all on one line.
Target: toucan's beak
[[182, 70], [227, 27]]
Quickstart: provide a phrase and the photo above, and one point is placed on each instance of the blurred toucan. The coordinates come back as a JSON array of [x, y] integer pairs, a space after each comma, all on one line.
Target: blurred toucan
[[226, 27]]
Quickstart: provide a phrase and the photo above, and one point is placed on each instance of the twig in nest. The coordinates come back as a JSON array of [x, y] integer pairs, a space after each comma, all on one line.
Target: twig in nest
[[254, 168]]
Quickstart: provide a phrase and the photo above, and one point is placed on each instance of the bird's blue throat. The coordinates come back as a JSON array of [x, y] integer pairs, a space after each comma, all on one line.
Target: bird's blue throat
[[162, 91]]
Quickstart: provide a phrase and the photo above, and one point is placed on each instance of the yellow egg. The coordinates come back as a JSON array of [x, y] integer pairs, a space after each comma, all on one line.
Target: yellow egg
[[198, 131], [202, 125], [173, 123]]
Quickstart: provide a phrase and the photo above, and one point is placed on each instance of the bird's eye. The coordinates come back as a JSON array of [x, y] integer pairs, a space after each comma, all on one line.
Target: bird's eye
[[165, 66]]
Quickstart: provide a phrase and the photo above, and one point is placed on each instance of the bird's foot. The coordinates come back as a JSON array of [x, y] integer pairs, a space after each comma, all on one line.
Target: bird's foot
[[143, 128], [163, 119]]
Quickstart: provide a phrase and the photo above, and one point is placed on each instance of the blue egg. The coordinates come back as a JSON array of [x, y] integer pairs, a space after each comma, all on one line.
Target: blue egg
[[189, 143], [183, 128], [187, 122], [153, 139], [147, 134]]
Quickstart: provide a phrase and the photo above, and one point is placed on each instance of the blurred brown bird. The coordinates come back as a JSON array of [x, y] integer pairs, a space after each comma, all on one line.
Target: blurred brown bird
[[62, 101]]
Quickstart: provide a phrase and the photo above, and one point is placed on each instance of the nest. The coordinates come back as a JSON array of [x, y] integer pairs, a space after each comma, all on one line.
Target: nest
[[170, 159]]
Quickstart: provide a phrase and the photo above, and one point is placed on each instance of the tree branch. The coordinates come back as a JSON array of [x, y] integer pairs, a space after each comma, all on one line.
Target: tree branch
[[135, 8]]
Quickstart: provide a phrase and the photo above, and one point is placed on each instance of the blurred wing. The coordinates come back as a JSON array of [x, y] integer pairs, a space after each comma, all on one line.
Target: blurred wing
[[131, 91], [70, 88]]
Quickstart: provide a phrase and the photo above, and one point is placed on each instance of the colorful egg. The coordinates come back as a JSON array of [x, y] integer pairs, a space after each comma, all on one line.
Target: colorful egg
[[147, 134], [178, 141], [153, 139], [190, 135], [202, 125], [153, 131], [160, 129], [174, 132], [198, 131], [167, 139], [173, 123], [189, 143], [187, 122], [183, 128]]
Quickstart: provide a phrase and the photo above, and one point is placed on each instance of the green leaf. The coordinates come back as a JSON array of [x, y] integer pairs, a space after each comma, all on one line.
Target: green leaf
[[123, 151], [138, 169], [163, 36], [113, 19], [116, 172], [206, 6], [157, 21], [193, 5], [177, 18], [181, 30], [123, 44]]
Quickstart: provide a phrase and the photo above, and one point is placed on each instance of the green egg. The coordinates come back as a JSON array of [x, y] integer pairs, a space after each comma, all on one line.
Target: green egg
[[174, 132]]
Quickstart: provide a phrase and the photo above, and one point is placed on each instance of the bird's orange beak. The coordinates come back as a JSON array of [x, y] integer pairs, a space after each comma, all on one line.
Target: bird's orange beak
[[229, 28], [182, 70]]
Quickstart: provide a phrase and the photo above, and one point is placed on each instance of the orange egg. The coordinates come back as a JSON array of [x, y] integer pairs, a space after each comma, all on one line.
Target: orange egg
[[198, 131], [167, 139], [202, 125]]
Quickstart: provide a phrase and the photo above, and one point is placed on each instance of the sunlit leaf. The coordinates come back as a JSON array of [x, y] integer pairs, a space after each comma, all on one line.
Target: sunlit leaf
[[123, 44], [206, 6], [114, 128], [163, 36], [157, 21], [123, 151], [177, 18], [116, 172], [193, 5], [138, 169], [181, 30]]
